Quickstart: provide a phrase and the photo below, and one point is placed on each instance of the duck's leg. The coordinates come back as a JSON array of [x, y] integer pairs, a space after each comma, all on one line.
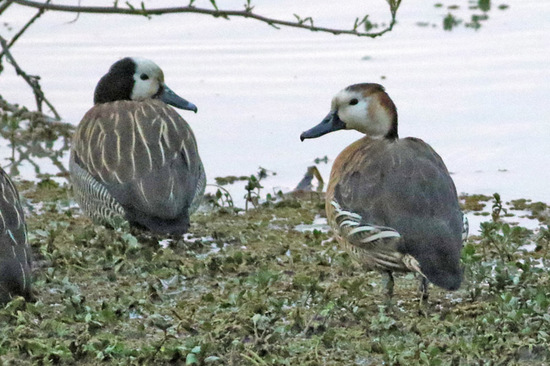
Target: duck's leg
[[388, 284], [423, 288]]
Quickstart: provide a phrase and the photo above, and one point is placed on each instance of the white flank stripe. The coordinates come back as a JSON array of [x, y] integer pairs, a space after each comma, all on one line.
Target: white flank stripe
[[3, 221], [348, 223], [338, 215], [17, 213], [25, 252], [387, 264], [133, 146], [144, 141], [165, 132], [143, 192], [171, 196], [162, 153], [117, 147], [117, 177], [383, 234], [391, 256], [11, 236], [342, 213], [360, 229], [23, 275], [351, 214]]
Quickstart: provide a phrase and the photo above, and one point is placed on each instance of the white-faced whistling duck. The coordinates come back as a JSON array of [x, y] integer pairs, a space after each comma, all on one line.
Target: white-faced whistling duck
[[133, 158]]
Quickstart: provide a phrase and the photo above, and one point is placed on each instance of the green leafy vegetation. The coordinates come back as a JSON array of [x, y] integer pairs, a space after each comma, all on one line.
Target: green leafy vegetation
[[222, 199], [248, 289], [477, 11]]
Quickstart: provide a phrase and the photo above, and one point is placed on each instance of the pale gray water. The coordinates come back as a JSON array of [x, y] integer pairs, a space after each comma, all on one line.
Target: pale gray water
[[479, 98]]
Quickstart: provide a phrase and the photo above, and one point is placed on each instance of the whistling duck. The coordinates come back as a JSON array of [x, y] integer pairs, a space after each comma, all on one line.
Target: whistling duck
[[391, 201], [133, 158]]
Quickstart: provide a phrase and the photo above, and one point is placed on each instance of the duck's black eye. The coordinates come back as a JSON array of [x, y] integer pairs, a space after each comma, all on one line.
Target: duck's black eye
[[354, 101], [144, 77]]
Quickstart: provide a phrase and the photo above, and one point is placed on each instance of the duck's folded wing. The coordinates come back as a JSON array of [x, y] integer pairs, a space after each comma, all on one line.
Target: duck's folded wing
[[376, 245], [143, 153], [362, 234], [397, 184], [405, 186]]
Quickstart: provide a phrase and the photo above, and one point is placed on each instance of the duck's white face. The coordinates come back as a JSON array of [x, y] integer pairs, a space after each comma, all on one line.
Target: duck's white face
[[363, 111], [148, 79], [363, 107]]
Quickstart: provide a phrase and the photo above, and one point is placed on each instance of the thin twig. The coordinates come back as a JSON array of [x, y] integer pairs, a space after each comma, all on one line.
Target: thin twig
[[22, 30], [24, 113], [30, 79], [77, 14], [226, 14], [31, 134], [4, 6], [34, 139]]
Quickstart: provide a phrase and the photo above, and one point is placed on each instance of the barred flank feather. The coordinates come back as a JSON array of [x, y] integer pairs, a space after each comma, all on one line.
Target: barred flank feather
[[94, 199], [374, 245], [199, 191], [15, 252]]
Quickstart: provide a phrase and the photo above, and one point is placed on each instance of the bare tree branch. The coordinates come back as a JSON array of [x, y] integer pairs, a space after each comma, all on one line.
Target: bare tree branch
[[32, 80], [305, 23]]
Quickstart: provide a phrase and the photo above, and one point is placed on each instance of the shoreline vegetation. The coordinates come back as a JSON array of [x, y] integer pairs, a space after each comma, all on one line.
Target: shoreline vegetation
[[248, 288]]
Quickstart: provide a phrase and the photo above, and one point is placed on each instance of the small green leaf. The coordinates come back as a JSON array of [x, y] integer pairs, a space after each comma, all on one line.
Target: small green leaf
[[191, 359]]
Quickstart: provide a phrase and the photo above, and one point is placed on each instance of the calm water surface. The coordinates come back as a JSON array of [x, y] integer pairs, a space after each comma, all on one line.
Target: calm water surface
[[480, 98]]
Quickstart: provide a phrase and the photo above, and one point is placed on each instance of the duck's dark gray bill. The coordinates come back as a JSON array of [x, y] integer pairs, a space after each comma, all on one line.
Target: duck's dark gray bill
[[169, 97], [331, 123]]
